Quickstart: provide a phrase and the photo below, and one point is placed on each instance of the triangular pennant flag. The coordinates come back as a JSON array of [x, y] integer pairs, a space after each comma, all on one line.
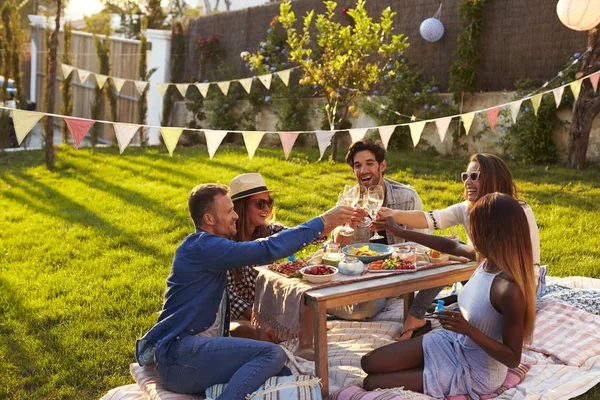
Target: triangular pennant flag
[[442, 126], [467, 121], [224, 86], [252, 140], [558, 93], [515, 106], [576, 88], [246, 84], [140, 86], [213, 140], [118, 82], [594, 80], [124, 134], [492, 114], [266, 80], [171, 137], [162, 88], [536, 101], [287, 141], [182, 88], [357, 134], [100, 80], [385, 132], [284, 76], [416, 129], [203, 88], [66, 70], [24, 122], [83, 75], [78, 128], [324, 140]]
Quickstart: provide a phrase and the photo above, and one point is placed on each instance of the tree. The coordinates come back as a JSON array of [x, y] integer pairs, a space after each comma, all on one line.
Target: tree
[[50, 96], [586, 108], [155, 15], [98, 24], [10, 46], [345, 61], [130, 13], [66, 88]]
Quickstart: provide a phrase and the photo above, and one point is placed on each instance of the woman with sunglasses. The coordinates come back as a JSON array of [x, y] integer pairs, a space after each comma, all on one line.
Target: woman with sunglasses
[[486, 173]]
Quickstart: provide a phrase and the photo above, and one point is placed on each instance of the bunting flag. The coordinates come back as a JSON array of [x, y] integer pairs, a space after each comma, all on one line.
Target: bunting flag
[[416, 129], [83, 75], [182, 88], [252, 140], [576, 88], [171, 137], [100, 80], [213, 140], [78, 128], [67, 70], [287, 141], [442, 126], [124, 134], [594, 80], [492, 114], [558, 93], [385, 132], [536, 101], [467, 121], [515, 106], [141, 86], [118, 83], [284, 76], [224, 86], [24, 122], [246, 84], [162, 88], [357, 134], [324, 140], [203, 88], [266, 80]]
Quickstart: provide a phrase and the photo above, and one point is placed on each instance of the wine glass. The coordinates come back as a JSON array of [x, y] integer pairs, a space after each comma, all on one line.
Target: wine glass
[[375, 196], [362, 203], [350, 196]]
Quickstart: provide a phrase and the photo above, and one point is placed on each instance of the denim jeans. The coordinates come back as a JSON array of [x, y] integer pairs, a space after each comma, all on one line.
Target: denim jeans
[[203, 362]]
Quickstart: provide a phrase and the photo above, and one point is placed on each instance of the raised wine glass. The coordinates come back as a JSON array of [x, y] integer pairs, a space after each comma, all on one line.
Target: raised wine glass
[[375, 196], [350, 195]]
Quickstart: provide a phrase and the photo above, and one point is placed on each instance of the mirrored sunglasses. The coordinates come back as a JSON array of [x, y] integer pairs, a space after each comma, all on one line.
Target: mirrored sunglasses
[[474, 176], [261, 204]]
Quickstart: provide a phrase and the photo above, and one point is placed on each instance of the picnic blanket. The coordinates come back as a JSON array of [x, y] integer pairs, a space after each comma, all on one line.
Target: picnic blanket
[[564, 355]]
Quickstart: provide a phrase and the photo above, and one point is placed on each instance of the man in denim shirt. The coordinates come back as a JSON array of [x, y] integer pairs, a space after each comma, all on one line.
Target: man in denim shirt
[[189, 342]]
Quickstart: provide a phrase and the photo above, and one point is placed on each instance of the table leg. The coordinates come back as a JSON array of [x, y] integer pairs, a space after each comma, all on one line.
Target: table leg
[[408, 300], [306, 347], [321, 360]]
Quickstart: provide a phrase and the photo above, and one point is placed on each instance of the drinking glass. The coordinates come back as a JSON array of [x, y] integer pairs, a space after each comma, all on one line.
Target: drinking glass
[[362, 203], [375, 196], [350, 196]]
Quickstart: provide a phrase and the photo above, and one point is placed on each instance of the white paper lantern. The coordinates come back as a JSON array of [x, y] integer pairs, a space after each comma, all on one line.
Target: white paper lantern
[[579, 15], [432, 29]]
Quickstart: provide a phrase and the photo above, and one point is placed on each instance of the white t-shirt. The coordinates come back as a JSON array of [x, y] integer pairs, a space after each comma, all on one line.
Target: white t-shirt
[[458, 214]]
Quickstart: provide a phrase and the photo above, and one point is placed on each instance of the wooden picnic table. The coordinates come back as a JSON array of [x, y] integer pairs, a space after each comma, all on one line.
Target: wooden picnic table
[[321, 299]]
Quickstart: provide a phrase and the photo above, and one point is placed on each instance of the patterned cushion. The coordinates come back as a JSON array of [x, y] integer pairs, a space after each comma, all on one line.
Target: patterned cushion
[[279, 388], [147, 379]]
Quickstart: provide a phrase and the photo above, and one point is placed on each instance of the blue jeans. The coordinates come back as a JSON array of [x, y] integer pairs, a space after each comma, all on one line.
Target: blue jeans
[[203, 362]]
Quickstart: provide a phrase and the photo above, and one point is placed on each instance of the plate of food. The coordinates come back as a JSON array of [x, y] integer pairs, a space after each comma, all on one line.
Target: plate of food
[[392, 265], [288, 269], [368, 252]]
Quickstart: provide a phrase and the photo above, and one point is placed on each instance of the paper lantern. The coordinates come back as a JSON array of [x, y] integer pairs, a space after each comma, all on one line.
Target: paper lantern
[[432, 29], [579, 15]]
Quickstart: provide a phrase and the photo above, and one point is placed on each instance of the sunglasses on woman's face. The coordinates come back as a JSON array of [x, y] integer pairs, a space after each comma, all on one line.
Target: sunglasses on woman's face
[[474, 176], [261, 204]]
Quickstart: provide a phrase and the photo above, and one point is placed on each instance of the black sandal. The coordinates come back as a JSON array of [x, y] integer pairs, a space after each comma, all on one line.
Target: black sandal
[[416, 332]]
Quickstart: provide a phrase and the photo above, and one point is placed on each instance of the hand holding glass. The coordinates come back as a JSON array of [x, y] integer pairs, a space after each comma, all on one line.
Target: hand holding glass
[[375, 196], [350, 196]]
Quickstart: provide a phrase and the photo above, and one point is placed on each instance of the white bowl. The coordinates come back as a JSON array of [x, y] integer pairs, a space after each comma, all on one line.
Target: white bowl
[[318, 278]]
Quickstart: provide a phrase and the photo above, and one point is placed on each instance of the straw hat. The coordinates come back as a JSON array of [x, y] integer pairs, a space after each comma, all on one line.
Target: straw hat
[[245, 185]]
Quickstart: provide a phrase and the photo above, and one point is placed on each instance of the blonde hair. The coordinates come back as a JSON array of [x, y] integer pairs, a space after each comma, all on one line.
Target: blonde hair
[[500, 234]]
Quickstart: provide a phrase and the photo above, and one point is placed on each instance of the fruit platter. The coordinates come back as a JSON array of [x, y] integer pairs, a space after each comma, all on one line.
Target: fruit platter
[[289, 269], [392, 265]]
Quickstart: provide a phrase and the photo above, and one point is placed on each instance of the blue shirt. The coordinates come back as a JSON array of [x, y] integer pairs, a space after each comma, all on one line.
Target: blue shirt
[[198, 280]]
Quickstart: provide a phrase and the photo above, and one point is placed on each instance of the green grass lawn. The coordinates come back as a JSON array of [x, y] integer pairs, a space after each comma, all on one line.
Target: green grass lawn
[[85, 249]]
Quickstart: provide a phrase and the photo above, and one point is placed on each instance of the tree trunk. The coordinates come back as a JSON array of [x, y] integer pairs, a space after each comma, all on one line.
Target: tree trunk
[[586, 107], [50, 89]]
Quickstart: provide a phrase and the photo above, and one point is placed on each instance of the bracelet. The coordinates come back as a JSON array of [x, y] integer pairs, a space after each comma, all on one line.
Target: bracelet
[[435, 224]]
